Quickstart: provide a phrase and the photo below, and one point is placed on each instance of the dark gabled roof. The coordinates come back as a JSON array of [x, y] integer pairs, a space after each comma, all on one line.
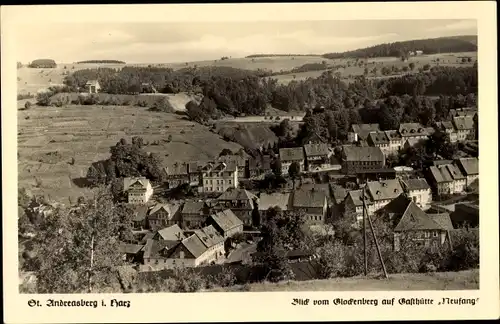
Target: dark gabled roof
[[443, 219], [378, 137], [357, 197], [291, 154], [237, 194], [463, 122], [226, 220], [415, 184], [172, 233], [392, 135], [470, 166], [193, 207], [194, 245], [171, 210], [140, 213], [309, 198], [209, 236], [408, 216], [148, 236], [364, 153], [220, 167], [153, 248], [130, 248], [364, 129], [339, 193], [412, 129], [128, 182], [240, 161], [282, 200], [448, 125], [446, 173], [386, 189], [316, 149]]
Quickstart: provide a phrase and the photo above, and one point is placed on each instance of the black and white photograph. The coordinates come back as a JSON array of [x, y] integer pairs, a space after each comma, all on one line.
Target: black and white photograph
[[298, 156]]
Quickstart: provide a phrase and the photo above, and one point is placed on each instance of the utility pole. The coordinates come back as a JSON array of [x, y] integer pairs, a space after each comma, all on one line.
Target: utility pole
[[364, 231], [378, 248]]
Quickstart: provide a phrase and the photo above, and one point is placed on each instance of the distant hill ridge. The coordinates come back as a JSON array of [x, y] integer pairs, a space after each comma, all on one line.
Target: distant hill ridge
[[101, 61], [453, 44]]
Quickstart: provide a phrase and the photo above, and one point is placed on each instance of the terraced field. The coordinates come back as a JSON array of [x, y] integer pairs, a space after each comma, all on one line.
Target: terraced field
[[49, 137]]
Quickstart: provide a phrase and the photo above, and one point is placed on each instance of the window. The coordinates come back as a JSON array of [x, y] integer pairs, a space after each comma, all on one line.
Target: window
[[229, 181], [435, 234], [427, 234]]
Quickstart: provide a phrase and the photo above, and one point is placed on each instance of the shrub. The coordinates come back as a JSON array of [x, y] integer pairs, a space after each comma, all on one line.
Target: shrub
[[142, 103], [43, 98], [27, 105], [187, 280]]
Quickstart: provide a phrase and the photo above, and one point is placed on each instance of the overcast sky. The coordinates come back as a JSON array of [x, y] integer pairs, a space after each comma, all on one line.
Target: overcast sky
[[182, 42]]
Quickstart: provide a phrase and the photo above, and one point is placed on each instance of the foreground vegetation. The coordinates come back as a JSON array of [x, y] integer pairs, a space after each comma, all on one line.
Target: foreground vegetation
[[462, 280]]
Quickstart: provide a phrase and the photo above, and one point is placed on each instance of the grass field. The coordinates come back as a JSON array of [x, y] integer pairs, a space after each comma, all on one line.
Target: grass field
[[403, 281], [449, 59], [48, 137]]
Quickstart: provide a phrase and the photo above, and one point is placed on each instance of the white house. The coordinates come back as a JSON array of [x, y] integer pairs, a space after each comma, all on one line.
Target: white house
[[219, 177], [139, 190], [419, 191], [93, 86]]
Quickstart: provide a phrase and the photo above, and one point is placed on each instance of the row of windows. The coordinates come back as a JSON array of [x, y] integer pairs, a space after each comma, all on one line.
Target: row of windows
[[216, 189], [217, 174], [316, 218], [218, 182]]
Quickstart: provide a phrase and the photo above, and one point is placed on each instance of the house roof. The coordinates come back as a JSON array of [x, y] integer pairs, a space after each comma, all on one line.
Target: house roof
[[316, 149], [176, 169], [130, 248], [386, 189], [194, 245], [446, 173], [414, 141], [153, 248], [364, 129], [172, 233], [463, 122], [309, 198], [415, 184], [226, 220], [291, 154], [128, 182], [357, 197], [392, 135], [448, 125], [171, 210], [470, 166], [339, 193], [92, 82], [282, 200], [430, 130], [209, 236], [408, 216], [365, 153], [261, 162], [239, 160], [193, 207], [443, 219], [378, 137], [412, 129], [140, 213], [237, 194], [468, 111], [148, 236], [220, 167]]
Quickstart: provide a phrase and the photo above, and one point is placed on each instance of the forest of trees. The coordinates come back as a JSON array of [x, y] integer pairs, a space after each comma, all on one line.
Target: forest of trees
[[101, 62], [278, 55], [43, 63], [399, 49], [126, 160]]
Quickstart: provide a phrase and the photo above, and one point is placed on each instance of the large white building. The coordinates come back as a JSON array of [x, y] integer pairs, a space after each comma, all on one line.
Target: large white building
[[138, 190], [219, 177]]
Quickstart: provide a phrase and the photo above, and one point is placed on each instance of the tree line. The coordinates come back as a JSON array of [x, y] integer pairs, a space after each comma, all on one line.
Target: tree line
[[401, 49]]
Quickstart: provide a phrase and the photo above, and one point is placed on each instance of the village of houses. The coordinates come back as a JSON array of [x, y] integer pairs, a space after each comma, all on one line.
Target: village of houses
[[197, 232]]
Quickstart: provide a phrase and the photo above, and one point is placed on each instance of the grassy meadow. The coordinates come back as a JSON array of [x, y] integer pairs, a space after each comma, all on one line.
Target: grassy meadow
[[49, 137]]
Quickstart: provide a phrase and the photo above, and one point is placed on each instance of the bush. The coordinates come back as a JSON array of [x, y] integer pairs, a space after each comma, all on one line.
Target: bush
[[187, 280], [142, 103], [27, 105], [43, 98]]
